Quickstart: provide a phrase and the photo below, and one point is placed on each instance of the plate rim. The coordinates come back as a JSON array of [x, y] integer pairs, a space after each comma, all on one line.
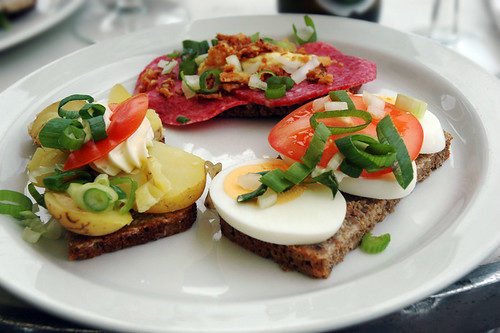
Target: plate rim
[[319, 325], [26, 33]]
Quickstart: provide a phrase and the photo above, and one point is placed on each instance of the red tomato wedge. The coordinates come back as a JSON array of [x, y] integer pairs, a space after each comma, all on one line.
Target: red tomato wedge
[[126, 119], [292, 135]]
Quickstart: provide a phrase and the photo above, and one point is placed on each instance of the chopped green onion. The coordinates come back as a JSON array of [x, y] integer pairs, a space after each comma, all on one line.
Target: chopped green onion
[[366, 116], [204, 81], [350, 169], [174, 54], [72, 137], [252, 195], [277, 81], [91, 110], [96, 200], [51, 132], [366, 153], [402, 167], [329, 180], [255, 37], [39, 198], [316, 147], [196, 47], [297, 172], [13, 203], [374, 244], [276, 180], [132, 184], [97, 128], [60, 180], [273, 93], [313, 36], [72, 114], [415, 106], [182, 119], [342, 96]]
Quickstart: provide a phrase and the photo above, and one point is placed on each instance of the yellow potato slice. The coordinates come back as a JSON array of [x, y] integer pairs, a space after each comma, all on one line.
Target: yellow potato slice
[[62, 207]]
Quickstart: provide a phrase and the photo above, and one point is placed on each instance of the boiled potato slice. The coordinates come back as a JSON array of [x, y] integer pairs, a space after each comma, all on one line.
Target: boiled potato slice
[[62, 207], [44, 163], [185, 173], [118, 94], [48, 113]]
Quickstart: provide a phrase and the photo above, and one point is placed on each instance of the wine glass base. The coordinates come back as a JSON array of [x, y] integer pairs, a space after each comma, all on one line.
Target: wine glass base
[[100, 20]]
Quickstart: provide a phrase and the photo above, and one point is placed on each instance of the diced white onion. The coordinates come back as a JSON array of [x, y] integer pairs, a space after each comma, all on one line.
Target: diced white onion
[[249, 181], [268, 199], [300, 74], [375, 111], [233, 60], [251, 68], [162, 63], [255, 82], [335, 106], [289, 66], [169, 66], [371, 99], [319, 103], [192, 81]]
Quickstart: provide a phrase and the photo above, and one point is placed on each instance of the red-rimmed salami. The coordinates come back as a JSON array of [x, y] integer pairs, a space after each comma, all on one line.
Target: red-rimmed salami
[[166, 97]]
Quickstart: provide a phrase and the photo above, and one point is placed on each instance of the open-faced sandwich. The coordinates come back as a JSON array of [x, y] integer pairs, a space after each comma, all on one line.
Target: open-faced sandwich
[[346, 161], [108, 178], [248, 76]]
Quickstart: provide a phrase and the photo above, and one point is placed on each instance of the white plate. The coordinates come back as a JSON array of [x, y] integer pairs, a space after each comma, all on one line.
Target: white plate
[[45, 15], [191, 283]]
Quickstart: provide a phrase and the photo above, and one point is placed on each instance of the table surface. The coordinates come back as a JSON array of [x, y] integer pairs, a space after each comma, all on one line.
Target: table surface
[[479, 41]]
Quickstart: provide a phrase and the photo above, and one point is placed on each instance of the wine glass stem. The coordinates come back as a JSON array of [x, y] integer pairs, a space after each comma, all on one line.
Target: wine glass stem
[[444, 21]]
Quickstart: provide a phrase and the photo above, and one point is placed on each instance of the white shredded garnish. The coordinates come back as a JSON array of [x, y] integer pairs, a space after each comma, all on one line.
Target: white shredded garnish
[[301, 74]]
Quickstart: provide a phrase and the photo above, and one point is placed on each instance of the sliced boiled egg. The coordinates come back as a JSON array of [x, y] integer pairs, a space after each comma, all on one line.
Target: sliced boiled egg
[[382, 187], [305, 214]]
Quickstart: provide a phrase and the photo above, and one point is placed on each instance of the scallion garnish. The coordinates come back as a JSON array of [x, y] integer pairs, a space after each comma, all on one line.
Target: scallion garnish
[[13, 203], [39, 198], [97, 128], [72, 137], [60, 180], [252, 195], [63, 113], [132, 187], [50, 133], [402, 166], [182, 119], [374, 244], [366, 153], [209, 81], [311, 30]]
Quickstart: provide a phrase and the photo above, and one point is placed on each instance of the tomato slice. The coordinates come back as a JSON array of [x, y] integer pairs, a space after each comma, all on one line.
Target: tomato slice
[[126, 119], [292, 135]]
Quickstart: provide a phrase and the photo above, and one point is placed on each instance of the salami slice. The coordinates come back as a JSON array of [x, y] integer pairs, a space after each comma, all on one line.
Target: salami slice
[[348, 71]]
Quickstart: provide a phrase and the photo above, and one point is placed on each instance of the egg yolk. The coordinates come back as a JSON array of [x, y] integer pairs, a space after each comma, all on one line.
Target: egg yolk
[[233, 190]]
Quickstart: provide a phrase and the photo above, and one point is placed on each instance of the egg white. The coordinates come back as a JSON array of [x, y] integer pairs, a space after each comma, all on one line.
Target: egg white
[[311, 218]]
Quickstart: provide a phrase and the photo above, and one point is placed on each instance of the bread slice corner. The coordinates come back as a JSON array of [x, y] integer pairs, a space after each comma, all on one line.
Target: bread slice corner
[[143, 229]]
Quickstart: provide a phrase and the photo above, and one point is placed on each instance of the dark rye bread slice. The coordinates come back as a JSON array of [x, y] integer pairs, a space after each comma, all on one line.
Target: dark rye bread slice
[[317, 260], [144, 228], [252, 110]]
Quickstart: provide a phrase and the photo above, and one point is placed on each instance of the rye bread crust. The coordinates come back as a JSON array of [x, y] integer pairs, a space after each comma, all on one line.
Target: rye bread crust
[[318, 260], [144, 228], [252, 110]]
